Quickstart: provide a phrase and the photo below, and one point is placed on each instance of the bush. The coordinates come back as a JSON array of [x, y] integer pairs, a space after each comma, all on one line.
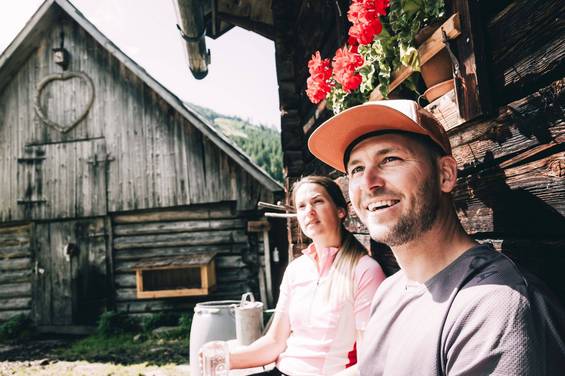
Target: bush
[[185, 322], [113, 323], [156, 320], [16, 328]]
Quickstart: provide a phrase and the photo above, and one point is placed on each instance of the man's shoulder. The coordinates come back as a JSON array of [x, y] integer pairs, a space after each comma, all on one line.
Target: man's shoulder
[[497, 286], [491, 268]]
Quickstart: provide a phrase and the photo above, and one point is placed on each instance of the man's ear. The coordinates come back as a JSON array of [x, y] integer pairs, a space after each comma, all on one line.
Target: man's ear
[[448, 173]]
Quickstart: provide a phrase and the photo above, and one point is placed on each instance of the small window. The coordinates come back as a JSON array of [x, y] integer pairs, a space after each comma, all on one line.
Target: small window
[[165, 277]]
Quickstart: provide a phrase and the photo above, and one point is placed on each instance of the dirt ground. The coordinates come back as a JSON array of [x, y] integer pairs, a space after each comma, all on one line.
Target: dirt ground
[[40, 357]]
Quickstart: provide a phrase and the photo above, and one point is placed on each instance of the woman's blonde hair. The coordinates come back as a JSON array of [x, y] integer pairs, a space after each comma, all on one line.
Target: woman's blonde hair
[[342, 271]]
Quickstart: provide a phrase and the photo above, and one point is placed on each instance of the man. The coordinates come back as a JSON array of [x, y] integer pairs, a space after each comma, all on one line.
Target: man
[[456, 307]]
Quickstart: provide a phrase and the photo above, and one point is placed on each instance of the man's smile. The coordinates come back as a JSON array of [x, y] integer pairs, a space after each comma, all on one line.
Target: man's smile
[[381, 205]]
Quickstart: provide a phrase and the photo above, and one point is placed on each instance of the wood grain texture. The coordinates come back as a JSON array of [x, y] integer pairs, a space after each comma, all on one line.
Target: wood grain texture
[[15, 270], [138, 147], [139, 240]]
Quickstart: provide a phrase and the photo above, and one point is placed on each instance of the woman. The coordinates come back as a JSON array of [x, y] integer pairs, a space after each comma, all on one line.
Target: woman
[[324, 296]]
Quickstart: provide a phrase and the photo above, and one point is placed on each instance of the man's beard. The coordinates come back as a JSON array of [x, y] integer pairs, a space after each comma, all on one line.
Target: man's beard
[[414, 222]]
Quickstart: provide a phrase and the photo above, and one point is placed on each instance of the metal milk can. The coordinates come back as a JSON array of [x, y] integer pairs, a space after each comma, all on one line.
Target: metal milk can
[[248, 319]]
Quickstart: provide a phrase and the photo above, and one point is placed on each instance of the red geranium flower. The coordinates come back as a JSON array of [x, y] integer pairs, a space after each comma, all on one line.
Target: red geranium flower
[[364, 15], [318, 85], [345, 63]]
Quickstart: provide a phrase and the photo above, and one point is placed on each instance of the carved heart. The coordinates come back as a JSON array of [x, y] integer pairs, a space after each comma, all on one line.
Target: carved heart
[[63, 77]]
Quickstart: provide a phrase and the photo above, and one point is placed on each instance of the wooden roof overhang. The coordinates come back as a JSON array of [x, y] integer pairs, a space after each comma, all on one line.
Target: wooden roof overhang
[[213, 18], [50, 11]]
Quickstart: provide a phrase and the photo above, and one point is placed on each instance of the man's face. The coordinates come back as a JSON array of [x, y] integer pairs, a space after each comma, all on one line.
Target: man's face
[[394, 187]]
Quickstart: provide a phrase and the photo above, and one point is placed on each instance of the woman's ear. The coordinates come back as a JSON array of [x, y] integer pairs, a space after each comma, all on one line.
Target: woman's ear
[[341, 213], [447, 166]]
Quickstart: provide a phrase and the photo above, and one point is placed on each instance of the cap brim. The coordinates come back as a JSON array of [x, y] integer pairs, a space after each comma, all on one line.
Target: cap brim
[[330, 140]]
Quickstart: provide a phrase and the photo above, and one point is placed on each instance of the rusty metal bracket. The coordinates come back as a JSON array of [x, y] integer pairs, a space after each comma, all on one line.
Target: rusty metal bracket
[[457, 78], [189, 38]]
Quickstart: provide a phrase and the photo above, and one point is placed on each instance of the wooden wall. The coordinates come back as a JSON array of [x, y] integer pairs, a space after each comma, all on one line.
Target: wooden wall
[[15, 270], [71, 284], [141, 236], [132, 151], [511, 161]]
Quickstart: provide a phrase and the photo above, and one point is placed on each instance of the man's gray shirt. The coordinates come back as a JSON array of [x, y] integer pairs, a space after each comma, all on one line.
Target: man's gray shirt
[[478, 316]]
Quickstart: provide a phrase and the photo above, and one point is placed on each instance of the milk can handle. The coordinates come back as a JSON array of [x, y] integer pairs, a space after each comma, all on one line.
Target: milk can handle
[[245, 296]]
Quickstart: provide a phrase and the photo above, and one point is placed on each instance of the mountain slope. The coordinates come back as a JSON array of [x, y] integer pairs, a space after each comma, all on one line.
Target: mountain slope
[[262, 144]]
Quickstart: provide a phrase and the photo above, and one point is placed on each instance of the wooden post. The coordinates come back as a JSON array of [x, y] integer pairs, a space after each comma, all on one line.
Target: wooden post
[[265, 280], [262, 283], [268, 276]]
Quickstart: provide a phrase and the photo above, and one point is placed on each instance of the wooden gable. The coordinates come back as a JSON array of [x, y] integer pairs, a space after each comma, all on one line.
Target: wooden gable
[[138, 146]]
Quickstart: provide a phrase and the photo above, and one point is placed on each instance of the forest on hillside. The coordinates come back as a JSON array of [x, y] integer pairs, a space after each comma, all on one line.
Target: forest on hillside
[[261, 143]]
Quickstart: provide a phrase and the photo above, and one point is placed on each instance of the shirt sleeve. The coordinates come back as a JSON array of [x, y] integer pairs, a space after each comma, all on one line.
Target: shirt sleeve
[[368, 276], [500, 335]]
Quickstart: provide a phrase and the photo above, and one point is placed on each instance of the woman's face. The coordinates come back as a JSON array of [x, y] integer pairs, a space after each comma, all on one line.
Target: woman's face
[[317, 215]]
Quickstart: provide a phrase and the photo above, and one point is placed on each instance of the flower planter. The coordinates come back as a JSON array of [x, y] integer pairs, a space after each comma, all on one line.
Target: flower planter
[[439, 89], [437, 74]]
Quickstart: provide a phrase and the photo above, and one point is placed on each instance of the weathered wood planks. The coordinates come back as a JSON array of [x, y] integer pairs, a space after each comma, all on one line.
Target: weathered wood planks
[[15, 270], [145, 236], [134, 150]]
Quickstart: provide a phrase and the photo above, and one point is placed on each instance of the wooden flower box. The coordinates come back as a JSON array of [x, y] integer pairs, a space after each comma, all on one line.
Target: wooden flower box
[[176, 276]]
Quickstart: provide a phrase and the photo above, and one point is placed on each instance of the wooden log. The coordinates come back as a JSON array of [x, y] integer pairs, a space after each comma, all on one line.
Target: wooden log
[[224, 210], [14, 239], [474, 94], [231, 289], [15, 251], [14, 290], [15, 276], [191, 16], [258, 226], [15, 303], [525, 200], [125, 280], [223, 275], [221, 262], [533, 55], [10, 229], [141, 253], [176, 227], [15, 264], [182, 239], [525, 124], [181, 305], [6, 315]]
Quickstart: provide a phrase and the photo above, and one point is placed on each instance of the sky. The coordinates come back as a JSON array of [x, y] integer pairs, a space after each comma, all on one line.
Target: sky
[[241, 78]]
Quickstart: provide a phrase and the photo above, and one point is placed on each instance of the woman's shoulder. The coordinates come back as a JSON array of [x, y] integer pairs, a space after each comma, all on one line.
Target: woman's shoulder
[[298, 264], [367, 262], [368, 265]]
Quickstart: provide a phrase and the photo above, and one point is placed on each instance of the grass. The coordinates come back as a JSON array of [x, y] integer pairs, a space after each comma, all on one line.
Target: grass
[[123, 349], [119, 339]]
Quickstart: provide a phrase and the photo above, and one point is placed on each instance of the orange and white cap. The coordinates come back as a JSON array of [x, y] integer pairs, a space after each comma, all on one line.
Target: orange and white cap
[[331, 140]]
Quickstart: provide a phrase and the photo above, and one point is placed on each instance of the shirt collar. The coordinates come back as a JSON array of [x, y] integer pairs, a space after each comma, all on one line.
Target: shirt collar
[[323, 257]]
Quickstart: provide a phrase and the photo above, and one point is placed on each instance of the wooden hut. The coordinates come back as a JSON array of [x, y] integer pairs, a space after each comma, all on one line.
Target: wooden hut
[[507, 129], [114, 193]]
